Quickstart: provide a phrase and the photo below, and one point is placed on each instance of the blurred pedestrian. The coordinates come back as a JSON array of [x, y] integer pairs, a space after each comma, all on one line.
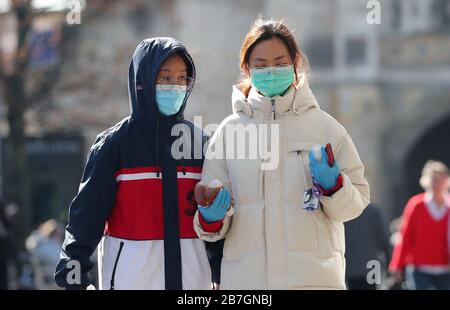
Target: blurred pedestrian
[[366, 239], [393, 282], [44, 246], [4, 246], [422, 251]]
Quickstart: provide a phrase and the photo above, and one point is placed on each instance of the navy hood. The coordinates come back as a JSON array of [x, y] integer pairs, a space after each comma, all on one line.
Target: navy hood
[[149, 55]]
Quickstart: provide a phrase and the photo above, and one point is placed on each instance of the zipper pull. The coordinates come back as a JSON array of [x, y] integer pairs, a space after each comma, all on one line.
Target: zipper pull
[[273, 108]]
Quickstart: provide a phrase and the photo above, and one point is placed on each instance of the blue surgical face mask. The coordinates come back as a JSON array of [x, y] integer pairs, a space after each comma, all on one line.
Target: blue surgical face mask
[[272, 81], [170, 98]]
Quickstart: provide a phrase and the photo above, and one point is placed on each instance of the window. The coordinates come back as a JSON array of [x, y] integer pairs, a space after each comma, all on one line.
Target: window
[[355, 51], [320, 52], [441, 11], [396, 20]]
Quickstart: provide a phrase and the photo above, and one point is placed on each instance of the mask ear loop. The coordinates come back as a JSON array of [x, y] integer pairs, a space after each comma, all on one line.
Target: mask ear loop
[[301, 79]]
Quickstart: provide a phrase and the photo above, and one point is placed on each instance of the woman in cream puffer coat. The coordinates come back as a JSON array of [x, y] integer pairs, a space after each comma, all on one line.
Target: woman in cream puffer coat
[[271, 241]]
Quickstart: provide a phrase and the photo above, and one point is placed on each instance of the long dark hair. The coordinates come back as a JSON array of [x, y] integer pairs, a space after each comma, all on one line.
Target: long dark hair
[[265, 30]]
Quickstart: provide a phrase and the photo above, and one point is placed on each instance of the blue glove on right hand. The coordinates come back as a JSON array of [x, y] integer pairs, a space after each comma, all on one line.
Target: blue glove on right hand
[[322, 173], [217, 210]]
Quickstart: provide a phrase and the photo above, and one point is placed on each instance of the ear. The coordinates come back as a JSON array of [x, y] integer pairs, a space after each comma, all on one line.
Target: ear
[[246, 71]]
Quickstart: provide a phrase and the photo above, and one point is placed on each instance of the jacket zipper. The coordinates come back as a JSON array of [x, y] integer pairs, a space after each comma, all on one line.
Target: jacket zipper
[[269, 139], [261, 171], [115, 265], [282, 209]]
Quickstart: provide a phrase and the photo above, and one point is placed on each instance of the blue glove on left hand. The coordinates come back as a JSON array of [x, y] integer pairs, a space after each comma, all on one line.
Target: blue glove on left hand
[[218, 209], [322, 173]]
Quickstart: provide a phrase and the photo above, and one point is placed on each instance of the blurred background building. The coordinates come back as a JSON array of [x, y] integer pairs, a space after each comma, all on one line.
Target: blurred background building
[[387, 83]]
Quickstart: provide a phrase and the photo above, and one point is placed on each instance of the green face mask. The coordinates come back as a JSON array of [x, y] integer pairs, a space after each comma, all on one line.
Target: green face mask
[[272, 81]]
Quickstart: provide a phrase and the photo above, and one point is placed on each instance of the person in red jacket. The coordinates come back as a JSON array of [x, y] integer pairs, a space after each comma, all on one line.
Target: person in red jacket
[[422, 252]]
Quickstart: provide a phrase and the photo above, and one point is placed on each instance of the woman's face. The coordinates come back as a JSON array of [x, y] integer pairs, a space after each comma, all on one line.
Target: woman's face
[[173, 72], [269, 53], [439, 182]]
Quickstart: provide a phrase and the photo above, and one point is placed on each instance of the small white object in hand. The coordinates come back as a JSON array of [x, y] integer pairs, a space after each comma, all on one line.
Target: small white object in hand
[[215, 183], [317, 152]]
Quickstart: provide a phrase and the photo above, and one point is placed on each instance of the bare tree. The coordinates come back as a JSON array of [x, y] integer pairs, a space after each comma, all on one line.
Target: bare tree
[[15, 97], [19, 98]]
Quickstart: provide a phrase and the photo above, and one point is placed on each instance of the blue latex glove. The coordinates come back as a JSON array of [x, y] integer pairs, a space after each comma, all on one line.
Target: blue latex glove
[[322, 173], [217, 210]]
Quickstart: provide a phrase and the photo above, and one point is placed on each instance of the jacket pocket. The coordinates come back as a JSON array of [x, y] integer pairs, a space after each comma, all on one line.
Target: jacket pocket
[[113, 275], [295, 177], [298, 175]]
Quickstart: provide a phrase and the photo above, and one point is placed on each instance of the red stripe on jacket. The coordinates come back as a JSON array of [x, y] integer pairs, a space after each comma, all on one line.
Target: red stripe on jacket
[[189, 169], [137, 170], [138, 213]]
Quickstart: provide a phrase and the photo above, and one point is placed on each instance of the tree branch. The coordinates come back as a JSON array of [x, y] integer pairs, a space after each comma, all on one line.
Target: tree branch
[[65, 48], [24, 15]]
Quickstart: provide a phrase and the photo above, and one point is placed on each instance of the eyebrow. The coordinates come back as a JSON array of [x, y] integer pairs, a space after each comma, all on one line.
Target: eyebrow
[[277, 58], [168, 70], [280, 57]]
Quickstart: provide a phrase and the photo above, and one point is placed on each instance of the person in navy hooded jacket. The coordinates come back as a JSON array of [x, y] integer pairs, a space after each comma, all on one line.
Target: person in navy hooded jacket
[[136, 200]]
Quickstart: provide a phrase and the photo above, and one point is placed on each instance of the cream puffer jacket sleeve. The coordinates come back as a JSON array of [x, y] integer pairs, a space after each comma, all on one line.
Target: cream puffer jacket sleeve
[[215, 167], [350, 200]]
